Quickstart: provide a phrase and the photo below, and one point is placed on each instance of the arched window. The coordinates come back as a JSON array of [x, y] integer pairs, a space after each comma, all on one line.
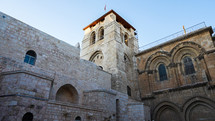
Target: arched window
[[101, 33], [97, 58], [30, 57], [78, 118], [128, 91], [162, 72], [126, 39], [27, 117], [188, 65], [93, 38]]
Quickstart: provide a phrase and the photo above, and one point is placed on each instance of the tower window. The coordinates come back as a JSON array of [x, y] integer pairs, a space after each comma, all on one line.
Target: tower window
[[126, 39], [93, 38], [30, 57], [101, 33], [188, 65], [128, 91], [162, 72]]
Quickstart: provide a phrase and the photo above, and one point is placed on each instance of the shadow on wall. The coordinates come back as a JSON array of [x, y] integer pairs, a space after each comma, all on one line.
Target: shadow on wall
[[67, 93]]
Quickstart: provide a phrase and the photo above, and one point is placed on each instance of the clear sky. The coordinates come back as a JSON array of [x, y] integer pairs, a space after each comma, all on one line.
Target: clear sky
[[153, 19]]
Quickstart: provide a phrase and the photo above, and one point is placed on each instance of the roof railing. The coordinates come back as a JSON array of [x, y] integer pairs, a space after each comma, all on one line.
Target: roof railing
[[214, 32], [172, 36]]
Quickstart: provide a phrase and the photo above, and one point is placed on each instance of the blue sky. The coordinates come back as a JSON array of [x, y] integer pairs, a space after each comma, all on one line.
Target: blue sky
[[153, 19]]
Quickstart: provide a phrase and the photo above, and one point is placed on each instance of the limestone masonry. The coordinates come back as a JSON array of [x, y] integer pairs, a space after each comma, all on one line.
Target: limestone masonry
[[109, 79]]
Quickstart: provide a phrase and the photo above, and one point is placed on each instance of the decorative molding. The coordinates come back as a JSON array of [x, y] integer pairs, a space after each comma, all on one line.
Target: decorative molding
[[26, 96], [101, 90], [27, 72], [190, 86]]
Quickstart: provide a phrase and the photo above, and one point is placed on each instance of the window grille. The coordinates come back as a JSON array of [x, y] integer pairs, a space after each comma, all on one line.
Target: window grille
[[162, 72], [188, 66], [30, 57]]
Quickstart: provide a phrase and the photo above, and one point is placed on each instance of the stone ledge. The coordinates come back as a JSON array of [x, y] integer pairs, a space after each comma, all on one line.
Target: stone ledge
[[26, 96], [27, 72], [74, 105], [148, 97], [101, 90], [211, 85], [200, 84], [135, 103], [210, 51], [189, 86]]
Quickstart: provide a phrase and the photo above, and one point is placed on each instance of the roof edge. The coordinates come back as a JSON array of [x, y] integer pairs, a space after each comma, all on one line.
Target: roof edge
[[177, 39], [118, 17]]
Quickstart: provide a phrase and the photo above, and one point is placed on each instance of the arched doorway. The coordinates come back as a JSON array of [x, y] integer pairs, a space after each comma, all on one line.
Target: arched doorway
[[168, 114], [166, 111], [78, 118], [199, 109], [28, 117]]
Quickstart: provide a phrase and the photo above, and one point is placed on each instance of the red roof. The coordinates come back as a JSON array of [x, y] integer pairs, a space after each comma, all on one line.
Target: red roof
[[118, 19]]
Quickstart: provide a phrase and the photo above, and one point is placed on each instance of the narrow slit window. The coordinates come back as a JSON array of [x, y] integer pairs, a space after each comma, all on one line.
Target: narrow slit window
[[128, 91], [93, 38], [101, 34], [126, 39]]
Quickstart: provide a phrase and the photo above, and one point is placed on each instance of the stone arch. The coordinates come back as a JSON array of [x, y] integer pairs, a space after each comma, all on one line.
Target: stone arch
[[186, 47], [184, 51], [166, 111], [156, 58], [67, 93], [101, 33], [199, 108], [97, 58]]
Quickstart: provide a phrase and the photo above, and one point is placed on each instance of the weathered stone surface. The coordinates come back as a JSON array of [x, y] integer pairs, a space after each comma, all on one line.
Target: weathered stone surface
[[61, 86], [178, 98]]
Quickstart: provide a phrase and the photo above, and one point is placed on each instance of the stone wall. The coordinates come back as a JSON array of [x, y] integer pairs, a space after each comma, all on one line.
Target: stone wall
[[181, 96], [43, 90], [119, 59], [66, 112], [25, 83], [14, 107], [198, 45], [138, 112], [189, 104], [16, 38], [102, 99]]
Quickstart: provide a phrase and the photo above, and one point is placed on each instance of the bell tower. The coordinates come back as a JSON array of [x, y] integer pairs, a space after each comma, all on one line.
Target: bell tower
[[110, 43]]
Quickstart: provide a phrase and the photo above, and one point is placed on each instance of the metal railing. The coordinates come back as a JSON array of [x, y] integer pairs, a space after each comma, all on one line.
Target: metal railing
[[172, 36], [214, 32]]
